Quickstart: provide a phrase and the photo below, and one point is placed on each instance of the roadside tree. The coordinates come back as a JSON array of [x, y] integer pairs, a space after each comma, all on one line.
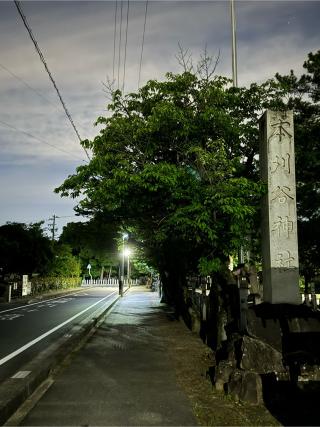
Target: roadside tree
[[24, 249], [63, 263], [176, 163], [93, 242]]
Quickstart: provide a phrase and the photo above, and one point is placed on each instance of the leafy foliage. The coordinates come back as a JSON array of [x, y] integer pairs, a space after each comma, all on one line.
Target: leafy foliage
[[63, 264], [24, 249], [93, 242], [175, 161]]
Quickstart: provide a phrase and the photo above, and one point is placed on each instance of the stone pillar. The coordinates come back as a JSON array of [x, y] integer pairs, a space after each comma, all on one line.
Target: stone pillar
[[279, 217]]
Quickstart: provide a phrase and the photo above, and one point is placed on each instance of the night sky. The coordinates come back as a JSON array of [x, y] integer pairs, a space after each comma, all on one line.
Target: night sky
[[77, 40]]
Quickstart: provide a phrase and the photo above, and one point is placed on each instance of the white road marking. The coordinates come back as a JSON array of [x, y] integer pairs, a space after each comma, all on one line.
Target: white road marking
[[21, 374], [41, 337], [63, 300], [10, 316], [30, 311], [39, 302]]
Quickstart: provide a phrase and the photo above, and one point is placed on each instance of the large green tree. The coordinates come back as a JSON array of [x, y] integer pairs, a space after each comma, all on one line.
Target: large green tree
[[63, 263], [93, 242], [24, 249], [176, 162]]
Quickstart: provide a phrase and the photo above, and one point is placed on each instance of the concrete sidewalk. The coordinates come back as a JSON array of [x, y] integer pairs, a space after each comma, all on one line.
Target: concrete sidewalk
[[122, 376]]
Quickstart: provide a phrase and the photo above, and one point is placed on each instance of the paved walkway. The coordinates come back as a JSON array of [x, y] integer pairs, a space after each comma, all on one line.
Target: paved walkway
[[121, 377]]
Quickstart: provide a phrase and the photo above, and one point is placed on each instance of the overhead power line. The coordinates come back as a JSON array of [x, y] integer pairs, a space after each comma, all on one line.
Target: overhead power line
[[114, 40], [66, 216], [42, 141], [27, 85], [125, 49], [24, 19], [142, 44], [37, 92]]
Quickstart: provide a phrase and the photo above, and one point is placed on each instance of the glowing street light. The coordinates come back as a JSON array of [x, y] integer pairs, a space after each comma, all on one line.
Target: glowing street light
[[127, 252]]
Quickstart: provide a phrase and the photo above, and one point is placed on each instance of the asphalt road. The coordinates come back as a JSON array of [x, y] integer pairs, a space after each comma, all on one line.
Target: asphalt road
[[25, 330]]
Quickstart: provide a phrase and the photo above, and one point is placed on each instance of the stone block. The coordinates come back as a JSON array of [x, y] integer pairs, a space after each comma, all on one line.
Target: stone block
[[264, 326], [234, 384], [195, 321], [303, 325], [251, 388], [222, 374], [256, 355], [246, 386]]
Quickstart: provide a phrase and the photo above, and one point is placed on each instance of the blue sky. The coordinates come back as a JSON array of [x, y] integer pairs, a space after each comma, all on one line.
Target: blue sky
[[77, 41]]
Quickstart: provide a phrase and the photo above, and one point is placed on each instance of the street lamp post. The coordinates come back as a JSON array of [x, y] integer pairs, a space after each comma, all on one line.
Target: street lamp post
[[121, 281], [127, 253], [242, 284], [128, 271], [235, 80]]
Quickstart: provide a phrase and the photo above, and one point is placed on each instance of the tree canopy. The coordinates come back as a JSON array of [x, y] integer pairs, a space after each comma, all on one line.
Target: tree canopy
[[177, 162], [93, 242], [63, 263], [24, 249]]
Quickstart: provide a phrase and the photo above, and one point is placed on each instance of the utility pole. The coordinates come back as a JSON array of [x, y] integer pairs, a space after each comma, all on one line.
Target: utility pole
[[241, 280], [235, 81], [53, 226], [128, 270], [234, 45]]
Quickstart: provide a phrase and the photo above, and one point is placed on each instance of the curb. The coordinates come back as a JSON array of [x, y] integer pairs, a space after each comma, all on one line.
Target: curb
[[14, 392]]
